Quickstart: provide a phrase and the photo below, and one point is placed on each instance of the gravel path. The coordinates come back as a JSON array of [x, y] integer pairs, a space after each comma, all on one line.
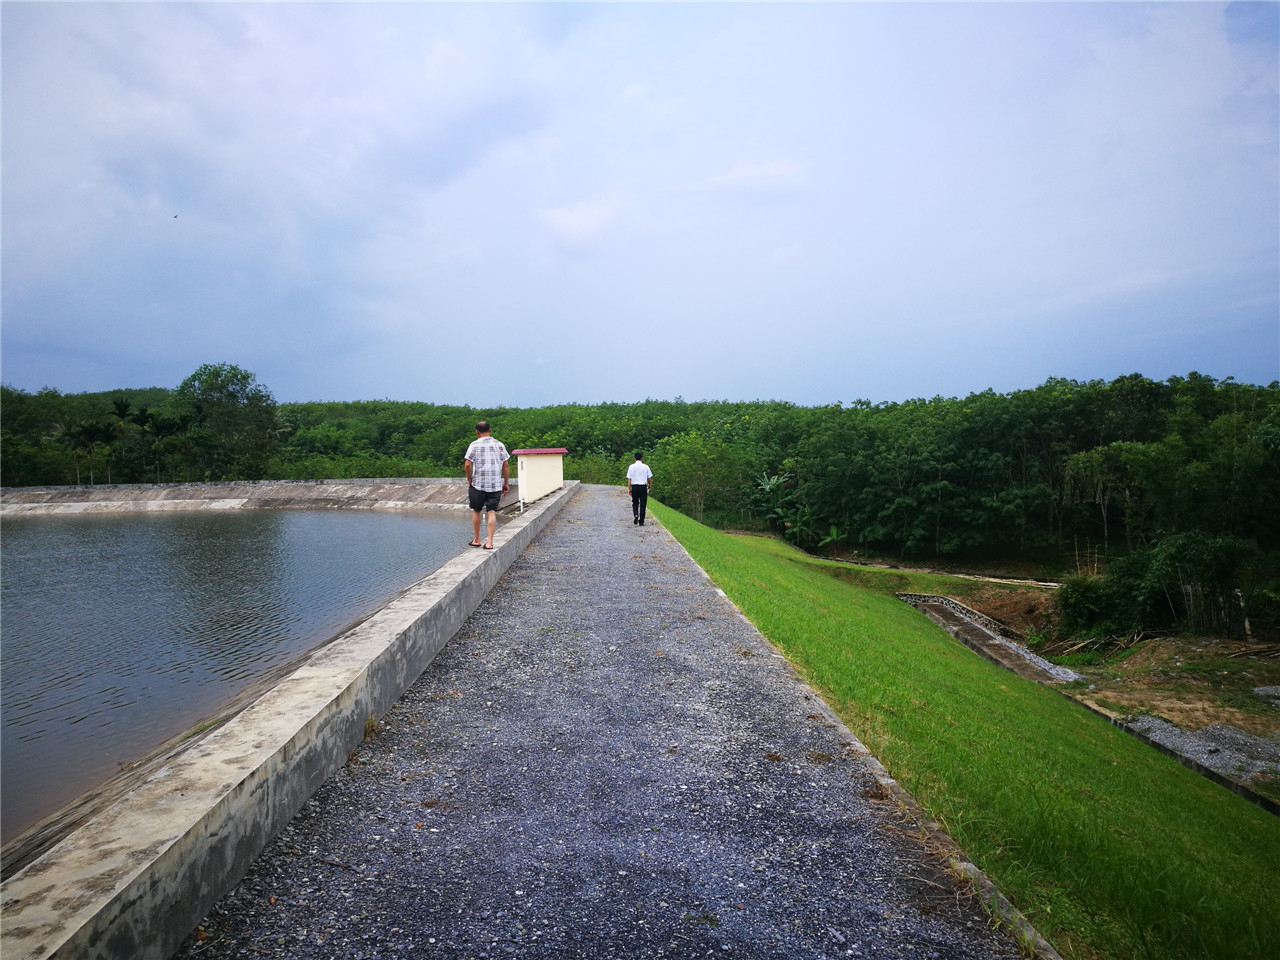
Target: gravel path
[[606, 761]]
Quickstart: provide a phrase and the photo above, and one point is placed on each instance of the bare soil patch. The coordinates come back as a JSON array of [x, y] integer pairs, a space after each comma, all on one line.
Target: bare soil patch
[[1190, 681], [1189, 713], [1030, 612]]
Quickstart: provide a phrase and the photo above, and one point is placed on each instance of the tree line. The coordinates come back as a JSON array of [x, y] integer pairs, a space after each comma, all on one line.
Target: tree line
[[218, 424], [1066, 469]]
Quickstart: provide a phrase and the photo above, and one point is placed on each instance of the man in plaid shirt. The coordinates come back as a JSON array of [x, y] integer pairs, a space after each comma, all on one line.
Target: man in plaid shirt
[[488, 478]]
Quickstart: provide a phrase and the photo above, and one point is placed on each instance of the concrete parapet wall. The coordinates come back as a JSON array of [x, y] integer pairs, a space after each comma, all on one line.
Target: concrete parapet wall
[[135, 880], [388, 494]]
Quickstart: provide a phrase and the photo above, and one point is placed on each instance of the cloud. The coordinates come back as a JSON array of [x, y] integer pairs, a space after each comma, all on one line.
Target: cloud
[[1103, 295], [786, 255], [359, 187], [764, 180], [640, 110], [585, 222]]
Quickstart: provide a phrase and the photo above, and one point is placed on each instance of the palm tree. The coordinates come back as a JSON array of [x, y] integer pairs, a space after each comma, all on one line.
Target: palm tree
[[79, 436], [121, 410], [148, 422], [62, 434], [103, 434], [143, 417]]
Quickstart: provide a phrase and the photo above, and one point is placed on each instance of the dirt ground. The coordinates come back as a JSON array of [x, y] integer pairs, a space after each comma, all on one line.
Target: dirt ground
[[1031, 614], [1190, 681]]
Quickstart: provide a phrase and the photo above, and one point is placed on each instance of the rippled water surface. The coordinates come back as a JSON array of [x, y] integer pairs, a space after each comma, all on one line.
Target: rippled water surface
[[119, 631]]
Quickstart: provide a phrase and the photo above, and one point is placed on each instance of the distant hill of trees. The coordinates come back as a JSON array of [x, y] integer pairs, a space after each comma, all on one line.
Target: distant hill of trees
[[1119, 466]]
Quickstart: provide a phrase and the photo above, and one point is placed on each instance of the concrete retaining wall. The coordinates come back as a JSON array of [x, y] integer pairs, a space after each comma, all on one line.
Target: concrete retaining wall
[[981, 619], [390, 494], [134, 881]]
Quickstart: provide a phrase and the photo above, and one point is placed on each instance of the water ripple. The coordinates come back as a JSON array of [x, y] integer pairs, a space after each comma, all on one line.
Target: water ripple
[[142, 624]]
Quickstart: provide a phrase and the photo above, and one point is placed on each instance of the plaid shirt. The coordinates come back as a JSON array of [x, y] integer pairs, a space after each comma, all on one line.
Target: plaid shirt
[[487, 456]]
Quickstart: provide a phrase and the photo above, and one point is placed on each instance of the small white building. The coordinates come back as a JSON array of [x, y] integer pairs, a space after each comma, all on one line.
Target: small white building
[[540, 471]]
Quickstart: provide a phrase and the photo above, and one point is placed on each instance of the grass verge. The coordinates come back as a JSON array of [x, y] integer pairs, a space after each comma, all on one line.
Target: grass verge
[[1110, 848]]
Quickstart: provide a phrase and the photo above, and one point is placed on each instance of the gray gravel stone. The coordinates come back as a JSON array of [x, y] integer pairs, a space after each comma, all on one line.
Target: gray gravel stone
[[1269, 693], [606, 761], [1224, 749]]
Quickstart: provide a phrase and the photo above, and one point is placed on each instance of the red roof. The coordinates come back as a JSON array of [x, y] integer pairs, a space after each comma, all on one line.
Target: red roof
[[540, 450]]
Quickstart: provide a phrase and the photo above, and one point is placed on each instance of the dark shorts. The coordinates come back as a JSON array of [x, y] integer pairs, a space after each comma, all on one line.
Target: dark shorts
[[482, 500]]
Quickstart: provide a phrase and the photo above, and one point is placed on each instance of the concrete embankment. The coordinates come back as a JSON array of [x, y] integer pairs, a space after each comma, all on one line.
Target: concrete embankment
[[389, 494], [136, 878]]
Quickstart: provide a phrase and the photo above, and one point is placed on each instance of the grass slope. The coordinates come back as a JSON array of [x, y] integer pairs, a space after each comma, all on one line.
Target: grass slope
[[1110, 848]]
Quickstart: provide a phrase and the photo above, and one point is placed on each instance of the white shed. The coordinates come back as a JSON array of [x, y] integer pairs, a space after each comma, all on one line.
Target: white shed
[[541, 471]]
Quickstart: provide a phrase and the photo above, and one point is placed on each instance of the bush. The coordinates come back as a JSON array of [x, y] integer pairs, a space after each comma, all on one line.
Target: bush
[[1092, 606], [1262, 604], [1193, 581], [1199, 577], [369, 465], [596, 467]]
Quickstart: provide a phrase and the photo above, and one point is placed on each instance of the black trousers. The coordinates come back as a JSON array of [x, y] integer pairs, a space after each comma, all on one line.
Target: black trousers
[[639, 500]]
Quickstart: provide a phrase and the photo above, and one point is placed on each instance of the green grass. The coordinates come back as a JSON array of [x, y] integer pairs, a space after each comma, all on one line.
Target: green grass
[[1110, 848]]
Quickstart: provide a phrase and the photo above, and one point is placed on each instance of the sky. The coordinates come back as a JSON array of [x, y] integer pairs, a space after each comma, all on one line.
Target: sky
[[526, 204]]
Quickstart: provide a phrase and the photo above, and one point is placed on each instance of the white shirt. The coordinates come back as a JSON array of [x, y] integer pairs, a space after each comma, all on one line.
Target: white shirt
[[639, 473]]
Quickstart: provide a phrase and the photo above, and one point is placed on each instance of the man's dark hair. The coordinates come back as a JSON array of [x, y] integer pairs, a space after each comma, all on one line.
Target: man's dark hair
[[639, 455], [482, 426]]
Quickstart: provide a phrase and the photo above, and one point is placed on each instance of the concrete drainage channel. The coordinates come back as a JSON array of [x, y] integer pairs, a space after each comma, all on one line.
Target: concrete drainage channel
[[136, 879]]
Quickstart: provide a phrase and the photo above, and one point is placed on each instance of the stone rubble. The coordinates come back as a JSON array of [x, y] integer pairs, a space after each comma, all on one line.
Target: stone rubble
[[1224, 749]]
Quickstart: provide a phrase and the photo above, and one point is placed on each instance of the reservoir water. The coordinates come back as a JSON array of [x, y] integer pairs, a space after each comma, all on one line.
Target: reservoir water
[[119, 631]]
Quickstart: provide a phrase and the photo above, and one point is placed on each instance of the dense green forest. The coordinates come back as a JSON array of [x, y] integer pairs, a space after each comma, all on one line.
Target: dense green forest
[[1135, 471]]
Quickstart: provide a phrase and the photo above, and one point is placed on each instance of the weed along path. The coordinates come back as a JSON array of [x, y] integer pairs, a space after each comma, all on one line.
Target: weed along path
[[605, 761]]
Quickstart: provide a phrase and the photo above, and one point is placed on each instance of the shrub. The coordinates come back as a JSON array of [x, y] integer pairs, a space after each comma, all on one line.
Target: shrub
[[1193, 580], [1091, 606]]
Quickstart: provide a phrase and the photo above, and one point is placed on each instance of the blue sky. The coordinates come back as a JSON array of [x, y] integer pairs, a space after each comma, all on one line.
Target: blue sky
[[529, 204]]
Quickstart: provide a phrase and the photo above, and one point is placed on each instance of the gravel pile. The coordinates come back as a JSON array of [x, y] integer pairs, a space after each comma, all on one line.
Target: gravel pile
[[1224, 749], [1269, 693], [606, 761]]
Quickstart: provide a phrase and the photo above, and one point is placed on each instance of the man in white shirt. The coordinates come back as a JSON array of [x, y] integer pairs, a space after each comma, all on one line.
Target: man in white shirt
[[488, 475], [639, 480]]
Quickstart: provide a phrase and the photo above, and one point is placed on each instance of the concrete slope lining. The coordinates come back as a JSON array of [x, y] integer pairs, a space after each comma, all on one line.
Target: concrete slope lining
[[394, 494]]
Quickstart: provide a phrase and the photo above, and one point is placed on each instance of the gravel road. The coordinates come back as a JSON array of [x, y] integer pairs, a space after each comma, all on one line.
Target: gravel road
[[606, 761]]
